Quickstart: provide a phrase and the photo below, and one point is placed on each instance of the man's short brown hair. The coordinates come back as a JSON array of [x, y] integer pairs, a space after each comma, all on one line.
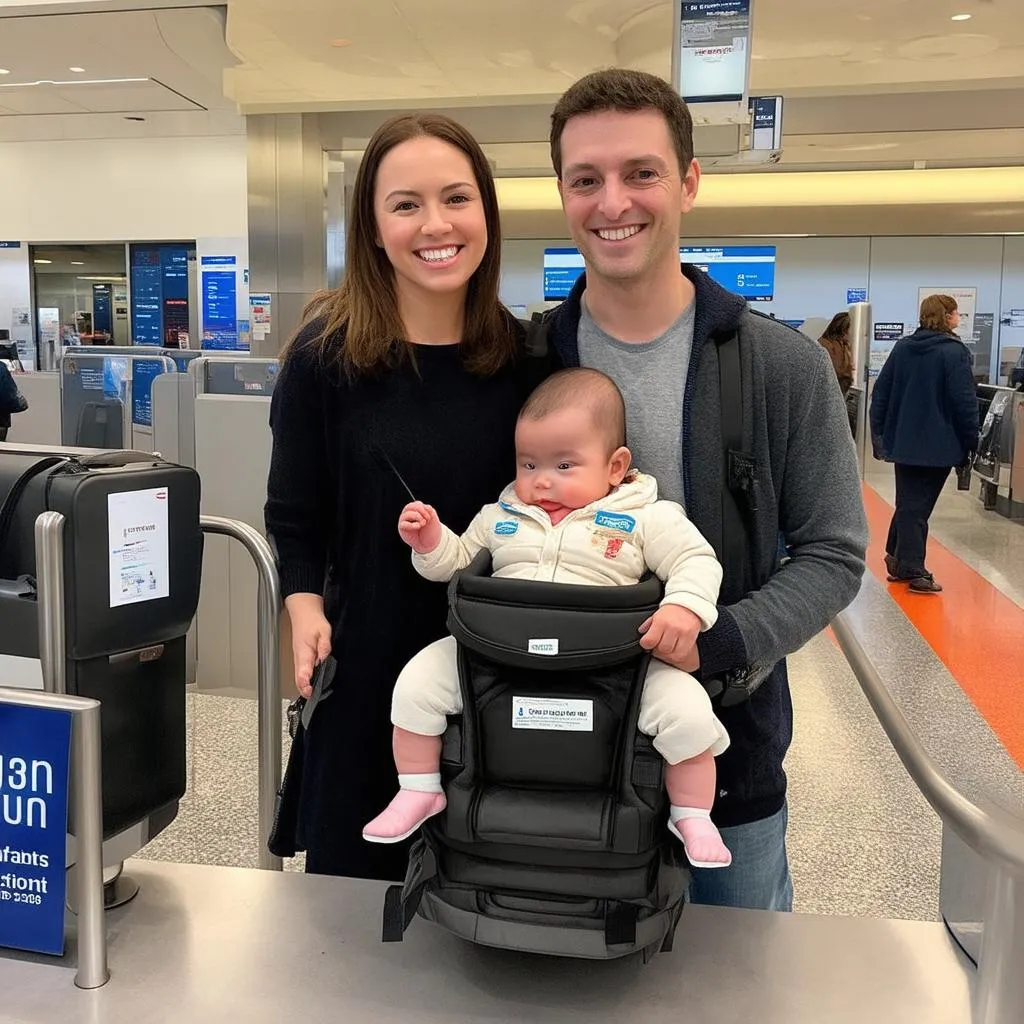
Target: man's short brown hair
[[624, 90], [581, 386]]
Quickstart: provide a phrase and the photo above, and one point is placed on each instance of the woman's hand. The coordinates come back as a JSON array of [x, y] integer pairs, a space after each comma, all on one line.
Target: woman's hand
[[311, 637], [420, 527]]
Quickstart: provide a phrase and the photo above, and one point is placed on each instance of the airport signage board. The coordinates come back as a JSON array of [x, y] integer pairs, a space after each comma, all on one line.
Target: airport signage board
[[35, 754]]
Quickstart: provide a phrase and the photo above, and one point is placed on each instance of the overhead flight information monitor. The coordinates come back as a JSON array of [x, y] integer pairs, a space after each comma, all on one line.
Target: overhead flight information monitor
[[711, 58], [747, 270]]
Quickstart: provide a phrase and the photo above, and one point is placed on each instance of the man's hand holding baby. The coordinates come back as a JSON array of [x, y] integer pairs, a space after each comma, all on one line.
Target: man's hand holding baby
[[671, 635], [420, 527]]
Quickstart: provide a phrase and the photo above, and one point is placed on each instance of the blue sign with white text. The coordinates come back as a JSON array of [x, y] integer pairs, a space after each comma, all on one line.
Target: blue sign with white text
[[144, 371], [856, 295], [35, 753], [220, 326], [10, 245]]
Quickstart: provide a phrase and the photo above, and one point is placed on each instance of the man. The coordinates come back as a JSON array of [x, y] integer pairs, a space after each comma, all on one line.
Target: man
[[622, 147]]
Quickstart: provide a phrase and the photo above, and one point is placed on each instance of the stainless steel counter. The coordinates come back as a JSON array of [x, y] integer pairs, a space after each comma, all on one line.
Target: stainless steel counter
[[207, 944]]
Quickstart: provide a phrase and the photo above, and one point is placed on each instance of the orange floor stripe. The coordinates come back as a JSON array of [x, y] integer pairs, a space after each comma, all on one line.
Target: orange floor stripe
[[976, 631]]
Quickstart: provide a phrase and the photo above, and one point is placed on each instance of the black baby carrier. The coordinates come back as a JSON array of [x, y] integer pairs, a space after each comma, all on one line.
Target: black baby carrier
[[554, 839], [555, 836]]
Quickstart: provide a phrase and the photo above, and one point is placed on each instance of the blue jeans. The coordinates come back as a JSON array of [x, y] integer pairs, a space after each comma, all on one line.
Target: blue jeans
[[758, 877]]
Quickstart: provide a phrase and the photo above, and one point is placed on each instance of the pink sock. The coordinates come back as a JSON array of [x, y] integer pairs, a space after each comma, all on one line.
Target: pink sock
[[701, 840], [419, 798]]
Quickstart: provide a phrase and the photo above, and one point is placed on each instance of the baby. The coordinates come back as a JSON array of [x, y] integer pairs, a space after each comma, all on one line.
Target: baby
[[575, 514]]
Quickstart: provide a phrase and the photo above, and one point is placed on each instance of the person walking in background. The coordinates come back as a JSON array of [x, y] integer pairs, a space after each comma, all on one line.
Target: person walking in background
[[836, 342], [11, 400], [925, 411]]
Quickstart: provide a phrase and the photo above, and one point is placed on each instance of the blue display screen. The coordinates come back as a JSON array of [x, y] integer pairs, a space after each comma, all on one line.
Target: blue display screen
[[220, 326], [147, 318], [143, 373], [159, 276], [747, 270]]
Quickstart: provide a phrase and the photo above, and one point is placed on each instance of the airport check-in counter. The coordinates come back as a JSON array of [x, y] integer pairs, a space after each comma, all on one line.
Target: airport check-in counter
[[205, 942], [216, 418]]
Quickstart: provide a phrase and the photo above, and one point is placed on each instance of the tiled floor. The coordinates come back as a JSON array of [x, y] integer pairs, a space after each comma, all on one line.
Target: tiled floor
[[862, 840]]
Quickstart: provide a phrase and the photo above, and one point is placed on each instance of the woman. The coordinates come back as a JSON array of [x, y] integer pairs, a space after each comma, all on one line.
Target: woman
[[836, 342], [925, 411], [406, 380]]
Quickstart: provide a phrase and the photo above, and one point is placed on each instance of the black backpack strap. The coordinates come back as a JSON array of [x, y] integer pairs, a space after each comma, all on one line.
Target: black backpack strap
[[536, 337], [537, 350], [402, 901], [620, 924], [739, 496], [10, 505]]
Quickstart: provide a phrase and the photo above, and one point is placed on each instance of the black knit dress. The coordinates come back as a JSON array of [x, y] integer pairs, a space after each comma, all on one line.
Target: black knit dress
[[334, 501]]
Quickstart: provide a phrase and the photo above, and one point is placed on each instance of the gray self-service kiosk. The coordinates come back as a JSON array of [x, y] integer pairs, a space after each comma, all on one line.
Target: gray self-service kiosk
[[106, 395], [123, 559]]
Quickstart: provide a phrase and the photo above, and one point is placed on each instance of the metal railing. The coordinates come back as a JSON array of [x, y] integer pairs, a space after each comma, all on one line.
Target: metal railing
[[993, 833], [268, 671]]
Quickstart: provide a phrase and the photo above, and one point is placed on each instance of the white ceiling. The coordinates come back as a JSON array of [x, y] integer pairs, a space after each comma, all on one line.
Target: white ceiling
[[872, 83], [167, 65], [466, 50]]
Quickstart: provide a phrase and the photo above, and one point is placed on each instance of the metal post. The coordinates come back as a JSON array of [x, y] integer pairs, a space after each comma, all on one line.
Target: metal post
[[268, 670], [87, 818], [999, 989], [49, 539], [860, 343]]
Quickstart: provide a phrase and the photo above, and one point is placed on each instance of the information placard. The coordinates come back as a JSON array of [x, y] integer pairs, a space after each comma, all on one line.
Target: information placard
[[35, 753], [138, 546]]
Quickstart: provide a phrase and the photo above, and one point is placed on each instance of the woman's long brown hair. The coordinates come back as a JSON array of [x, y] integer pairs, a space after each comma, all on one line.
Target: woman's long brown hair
[[365, 306]]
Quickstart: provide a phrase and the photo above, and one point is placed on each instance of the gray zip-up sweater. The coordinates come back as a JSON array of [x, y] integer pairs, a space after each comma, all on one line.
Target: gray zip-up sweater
[[797, 431]]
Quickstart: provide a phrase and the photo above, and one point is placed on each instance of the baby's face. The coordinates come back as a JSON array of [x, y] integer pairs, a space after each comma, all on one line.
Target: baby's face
[[563, 461]]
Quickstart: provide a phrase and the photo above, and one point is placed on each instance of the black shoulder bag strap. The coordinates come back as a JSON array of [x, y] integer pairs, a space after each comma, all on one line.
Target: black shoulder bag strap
[[739, 494]]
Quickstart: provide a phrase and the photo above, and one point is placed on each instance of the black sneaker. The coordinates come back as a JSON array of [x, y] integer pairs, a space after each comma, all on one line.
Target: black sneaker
[[893, 572], [925, 584]]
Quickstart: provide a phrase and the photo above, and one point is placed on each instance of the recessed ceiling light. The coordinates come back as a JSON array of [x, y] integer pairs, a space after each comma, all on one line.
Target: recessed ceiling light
[[78, 263], [77, 71], [341, 42], [42, 261], [4, 71], [962, 17]]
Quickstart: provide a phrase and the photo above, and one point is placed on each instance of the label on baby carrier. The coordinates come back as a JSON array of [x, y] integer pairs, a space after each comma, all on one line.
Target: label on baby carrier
[[553, 713], [547, 646]]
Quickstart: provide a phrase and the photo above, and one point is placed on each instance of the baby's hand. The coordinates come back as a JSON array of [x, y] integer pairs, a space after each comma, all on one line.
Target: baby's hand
[[670, 632], [420, 527]]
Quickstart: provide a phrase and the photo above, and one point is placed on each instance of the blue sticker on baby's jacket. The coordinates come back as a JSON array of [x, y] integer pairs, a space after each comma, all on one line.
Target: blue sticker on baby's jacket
[[506, 527], [616, 521]]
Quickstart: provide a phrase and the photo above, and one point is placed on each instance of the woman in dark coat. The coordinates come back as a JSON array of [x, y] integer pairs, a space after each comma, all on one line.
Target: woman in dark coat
[[407, 376], [925, 411]]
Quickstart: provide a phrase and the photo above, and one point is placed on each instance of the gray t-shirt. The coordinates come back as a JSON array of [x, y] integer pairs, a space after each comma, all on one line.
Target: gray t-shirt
[[652, 378]]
